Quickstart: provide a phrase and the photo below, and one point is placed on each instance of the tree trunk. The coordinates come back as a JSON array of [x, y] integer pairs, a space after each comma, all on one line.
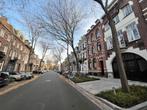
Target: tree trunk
[[68, 57], [77, 60], [122, 73], [28, 64], [39, 67]]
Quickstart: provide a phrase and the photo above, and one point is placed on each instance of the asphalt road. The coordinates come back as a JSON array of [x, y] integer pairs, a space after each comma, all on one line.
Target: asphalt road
[[48, 92]]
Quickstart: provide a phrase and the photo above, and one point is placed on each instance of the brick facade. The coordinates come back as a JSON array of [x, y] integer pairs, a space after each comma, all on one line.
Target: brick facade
[[96, 53], [15, 48]]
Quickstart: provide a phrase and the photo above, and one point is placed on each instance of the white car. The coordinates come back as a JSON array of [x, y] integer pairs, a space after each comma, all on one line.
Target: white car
[[16, 76]]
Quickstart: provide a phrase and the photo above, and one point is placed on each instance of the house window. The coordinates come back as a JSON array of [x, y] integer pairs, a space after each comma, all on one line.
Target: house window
[[2, 33], [94, 63], [19, 57], [127, 10], [121, 38], [89, 64], [1, 65], [109, 42], [21, 48], [97, 33], [92, 49], [13, 55], [91, 37], [107, 27], [98, 47], [9, 38], [14, 42], [89, 51], [17, 45], [5, 49], [116, 19], [10, 53], [85, 55], [132, 32]]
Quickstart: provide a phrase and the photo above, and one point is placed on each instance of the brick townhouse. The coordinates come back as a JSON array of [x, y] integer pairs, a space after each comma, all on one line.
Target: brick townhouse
[[130, 18], [5, 39], [96, 52], [14, 47]]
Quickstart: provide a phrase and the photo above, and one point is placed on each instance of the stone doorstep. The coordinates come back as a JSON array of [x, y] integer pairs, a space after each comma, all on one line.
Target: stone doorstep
[[100, 102], [15, 85]]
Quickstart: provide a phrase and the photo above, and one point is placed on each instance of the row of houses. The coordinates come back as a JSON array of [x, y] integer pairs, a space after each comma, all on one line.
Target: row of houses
[[15, 49], [95, 49]]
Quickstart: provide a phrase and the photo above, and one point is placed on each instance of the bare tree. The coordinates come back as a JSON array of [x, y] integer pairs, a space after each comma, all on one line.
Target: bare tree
[[57, 52], [122, 73], [61, 19], [45, 45], [66, 47], [34, 32]]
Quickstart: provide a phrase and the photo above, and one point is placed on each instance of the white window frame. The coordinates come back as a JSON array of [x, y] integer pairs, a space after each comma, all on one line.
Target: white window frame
[[127, 10], [116, 19], [131, 28], [121, 39], [109, 43], [5, 49]]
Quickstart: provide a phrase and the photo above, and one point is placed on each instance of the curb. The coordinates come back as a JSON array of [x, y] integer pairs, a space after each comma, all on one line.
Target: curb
[[88, 95], [18, 85], [102, 103]]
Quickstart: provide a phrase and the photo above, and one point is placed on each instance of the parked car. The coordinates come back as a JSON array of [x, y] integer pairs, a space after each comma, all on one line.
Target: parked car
[[26, 75], [37, 72], [23, 75], [60, 72], [29, 75], [4, 78], [16, 76]]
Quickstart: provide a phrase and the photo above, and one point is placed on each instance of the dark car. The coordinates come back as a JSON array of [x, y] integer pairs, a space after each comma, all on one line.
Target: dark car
[[60, 72], [37, 72], [4, 79]]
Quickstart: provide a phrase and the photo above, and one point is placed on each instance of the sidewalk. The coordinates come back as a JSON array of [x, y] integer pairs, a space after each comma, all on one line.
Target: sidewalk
[[104, 84], [89, 89]]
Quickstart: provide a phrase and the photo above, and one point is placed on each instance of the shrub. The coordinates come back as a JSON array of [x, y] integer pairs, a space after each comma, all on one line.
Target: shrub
[[137, 95], [79, 79]]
